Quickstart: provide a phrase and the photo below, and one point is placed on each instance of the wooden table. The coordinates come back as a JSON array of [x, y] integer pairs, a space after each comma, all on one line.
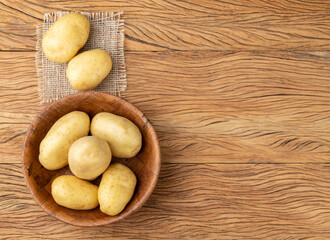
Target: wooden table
[[239, 94]]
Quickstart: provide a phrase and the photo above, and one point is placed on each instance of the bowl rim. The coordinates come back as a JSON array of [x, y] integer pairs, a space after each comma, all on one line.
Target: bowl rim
[[92, 222]]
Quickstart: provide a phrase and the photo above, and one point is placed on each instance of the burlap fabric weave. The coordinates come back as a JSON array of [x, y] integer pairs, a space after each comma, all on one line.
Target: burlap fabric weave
[[106, 33]]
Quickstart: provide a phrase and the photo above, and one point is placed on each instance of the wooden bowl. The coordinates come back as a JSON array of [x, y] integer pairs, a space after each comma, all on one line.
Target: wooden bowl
[[145, 165]]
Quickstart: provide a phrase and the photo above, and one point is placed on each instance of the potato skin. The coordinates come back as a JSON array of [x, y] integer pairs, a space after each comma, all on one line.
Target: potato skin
[[54, 148], [72, 192], [65, 37], [89, 157], [86, 70], [116, 189], [124, 136]]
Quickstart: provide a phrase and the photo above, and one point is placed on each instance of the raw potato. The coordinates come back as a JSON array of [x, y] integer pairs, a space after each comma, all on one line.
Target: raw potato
[[72, 192], [86, 70], [54, 148], [89, 157], [124, 137], [116, 189], [65, 37]]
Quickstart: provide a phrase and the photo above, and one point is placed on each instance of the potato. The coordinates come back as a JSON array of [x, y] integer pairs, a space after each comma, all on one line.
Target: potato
[[86, 70], [54, 148], [72, 192], [89, 157], [124, 137], [65, 37], [116, 189]]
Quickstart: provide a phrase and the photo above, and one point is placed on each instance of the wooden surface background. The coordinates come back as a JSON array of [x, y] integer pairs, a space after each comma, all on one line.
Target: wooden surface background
[[239, 94]]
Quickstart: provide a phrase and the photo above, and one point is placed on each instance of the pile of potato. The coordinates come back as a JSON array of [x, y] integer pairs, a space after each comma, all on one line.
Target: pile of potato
[[61, 43], [68, 143]]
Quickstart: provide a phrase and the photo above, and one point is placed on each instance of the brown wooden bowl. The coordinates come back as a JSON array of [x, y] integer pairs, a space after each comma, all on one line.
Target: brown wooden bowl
[[145, 165]]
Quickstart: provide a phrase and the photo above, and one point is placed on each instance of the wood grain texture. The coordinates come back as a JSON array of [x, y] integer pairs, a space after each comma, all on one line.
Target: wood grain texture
[[187, 25], [226, 84], [208, 107], [194, 201]]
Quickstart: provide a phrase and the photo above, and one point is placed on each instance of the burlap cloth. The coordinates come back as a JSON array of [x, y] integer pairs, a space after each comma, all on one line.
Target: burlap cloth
[[106, 33]]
